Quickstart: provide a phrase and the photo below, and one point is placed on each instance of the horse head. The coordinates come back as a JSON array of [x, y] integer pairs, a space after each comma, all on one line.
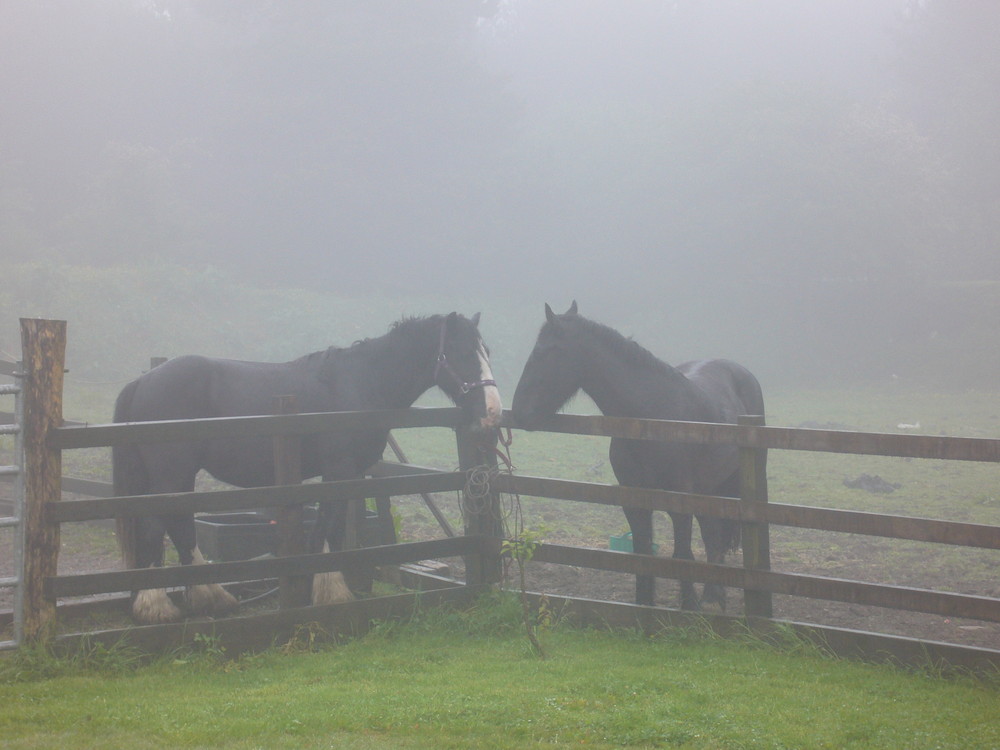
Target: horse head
[[462, 370], [553, 372]]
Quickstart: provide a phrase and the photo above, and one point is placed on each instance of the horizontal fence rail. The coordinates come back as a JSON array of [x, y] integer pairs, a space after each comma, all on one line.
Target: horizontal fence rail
[[801, 516], [783, 438], [181, 430], [254, 570], [813, 587], [256, 497]]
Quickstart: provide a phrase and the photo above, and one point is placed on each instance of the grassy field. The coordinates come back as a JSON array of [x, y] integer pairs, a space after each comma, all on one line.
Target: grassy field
[[459, 680]]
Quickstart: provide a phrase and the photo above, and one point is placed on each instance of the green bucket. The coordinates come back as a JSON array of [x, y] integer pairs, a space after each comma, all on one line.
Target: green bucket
[[623, 543]]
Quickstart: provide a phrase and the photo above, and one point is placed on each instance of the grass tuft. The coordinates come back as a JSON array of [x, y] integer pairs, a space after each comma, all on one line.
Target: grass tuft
[[31, 663]]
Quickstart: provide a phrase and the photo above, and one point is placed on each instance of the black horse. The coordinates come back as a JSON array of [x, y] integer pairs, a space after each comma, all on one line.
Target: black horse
[[388, 372], [625, 380]]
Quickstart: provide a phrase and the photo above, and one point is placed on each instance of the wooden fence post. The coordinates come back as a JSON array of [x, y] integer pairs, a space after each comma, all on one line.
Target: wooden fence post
[[293, 591], [480, 503], [357, 577], [43, 350], [755, 534]]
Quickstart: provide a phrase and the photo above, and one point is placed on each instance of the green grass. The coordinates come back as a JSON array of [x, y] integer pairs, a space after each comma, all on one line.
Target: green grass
[[451, 680]]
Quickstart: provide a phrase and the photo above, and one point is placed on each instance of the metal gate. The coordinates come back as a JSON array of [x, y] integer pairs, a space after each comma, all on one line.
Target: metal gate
[[15, 521]]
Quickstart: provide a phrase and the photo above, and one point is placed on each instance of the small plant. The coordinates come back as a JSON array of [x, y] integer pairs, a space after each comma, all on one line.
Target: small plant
[[305, 638], [546, 617], [204, 647], [210, 644], [521, 549]]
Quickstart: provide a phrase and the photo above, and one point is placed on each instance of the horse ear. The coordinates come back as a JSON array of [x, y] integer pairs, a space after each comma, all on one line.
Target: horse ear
[[572, 309], [450, 320], [549, 315], [475, 320]]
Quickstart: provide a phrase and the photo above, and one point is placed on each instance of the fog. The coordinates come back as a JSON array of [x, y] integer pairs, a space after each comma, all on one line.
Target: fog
[[811, 187]]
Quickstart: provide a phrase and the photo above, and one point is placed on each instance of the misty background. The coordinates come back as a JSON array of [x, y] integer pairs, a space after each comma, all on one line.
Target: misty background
[[812, 188]]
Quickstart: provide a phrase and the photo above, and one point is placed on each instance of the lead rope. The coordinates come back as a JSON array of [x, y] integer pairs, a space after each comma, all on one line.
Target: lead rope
[[478, 487]]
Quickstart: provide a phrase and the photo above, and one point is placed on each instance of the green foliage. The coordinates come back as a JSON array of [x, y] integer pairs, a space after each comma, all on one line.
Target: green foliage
[[522, 547]]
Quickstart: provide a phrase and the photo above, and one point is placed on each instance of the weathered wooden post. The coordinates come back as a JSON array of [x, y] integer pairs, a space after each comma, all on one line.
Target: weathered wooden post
[[293, 591], [358, 578], [43, 350], [755, 534], [480, 504]]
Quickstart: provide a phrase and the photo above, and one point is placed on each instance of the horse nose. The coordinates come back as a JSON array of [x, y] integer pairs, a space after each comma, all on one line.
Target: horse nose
[[493, 408]]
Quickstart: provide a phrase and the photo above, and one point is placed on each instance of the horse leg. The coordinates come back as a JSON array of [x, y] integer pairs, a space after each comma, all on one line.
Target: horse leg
[[641, 523], [720, 535], [329, 588], [715, 552], [151, 606], [205, 598], [682, 523]]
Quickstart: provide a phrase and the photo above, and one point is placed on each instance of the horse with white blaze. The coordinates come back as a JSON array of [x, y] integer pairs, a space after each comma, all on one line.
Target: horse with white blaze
[[388, 372]]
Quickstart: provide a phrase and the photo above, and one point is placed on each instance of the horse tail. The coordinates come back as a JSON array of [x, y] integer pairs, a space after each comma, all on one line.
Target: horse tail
[[128, 477]]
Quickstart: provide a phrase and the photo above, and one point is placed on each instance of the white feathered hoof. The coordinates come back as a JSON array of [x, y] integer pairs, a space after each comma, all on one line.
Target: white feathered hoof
[[154, 607], [330, 588], [211, 599]]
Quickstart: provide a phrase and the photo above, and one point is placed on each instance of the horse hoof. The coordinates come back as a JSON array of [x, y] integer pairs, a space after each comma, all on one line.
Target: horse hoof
[[714, 594], [154, 607], [211, 599], [330, 588]]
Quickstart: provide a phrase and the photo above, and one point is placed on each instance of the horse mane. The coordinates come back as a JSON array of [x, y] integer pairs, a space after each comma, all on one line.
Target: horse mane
[[323, 355], [325, 360], [400, 326], [624, 347]]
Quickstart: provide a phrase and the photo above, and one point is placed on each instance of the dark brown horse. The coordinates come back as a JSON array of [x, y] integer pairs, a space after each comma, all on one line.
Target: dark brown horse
[[389, 372], [625, 380]]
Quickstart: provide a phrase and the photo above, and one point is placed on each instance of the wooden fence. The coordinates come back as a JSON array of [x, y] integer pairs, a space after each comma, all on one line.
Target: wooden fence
[[756, 515], [480, 545]]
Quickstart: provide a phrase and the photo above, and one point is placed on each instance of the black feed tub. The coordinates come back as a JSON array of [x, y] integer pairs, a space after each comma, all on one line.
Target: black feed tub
[[227, 537]]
